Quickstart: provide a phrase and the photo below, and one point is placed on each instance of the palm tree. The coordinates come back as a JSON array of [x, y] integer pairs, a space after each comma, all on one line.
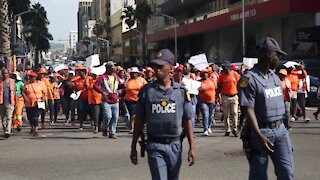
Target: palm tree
[[129, 19], [143, 13], [40, 35], [4, 28], [98, 30]]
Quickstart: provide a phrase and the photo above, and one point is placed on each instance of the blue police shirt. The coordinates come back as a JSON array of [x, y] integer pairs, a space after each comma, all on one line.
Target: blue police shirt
[[164, 111], [264, 95]]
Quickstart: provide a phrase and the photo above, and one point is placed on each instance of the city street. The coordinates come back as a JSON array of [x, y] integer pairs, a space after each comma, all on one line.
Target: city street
[[67, 153]]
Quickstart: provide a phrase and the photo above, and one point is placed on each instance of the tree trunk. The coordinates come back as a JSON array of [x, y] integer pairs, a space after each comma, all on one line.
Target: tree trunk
[[131, 57], [4, 29]]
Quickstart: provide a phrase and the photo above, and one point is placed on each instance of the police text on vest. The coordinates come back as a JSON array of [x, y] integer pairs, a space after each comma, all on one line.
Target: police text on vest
[[169, 108], [274, 92]]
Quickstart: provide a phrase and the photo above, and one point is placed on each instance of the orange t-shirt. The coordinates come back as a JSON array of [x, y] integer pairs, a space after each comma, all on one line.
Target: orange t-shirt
[[285, 89], [49, 87], [133, 87], [93, 96], [34, 92], [229, 83], [207, 92], [79, 85]]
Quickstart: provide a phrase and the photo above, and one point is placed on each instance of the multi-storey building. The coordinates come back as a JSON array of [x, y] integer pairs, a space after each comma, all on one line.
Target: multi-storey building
[[85, 14], [215, 27], [73, 39]]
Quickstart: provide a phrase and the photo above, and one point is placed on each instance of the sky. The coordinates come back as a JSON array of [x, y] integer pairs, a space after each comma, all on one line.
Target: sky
[[62, 15]]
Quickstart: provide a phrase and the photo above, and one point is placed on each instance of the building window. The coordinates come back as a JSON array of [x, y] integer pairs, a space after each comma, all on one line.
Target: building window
[[127, 43]]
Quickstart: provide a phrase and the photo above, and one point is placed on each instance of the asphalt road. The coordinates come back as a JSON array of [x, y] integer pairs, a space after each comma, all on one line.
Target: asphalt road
[[67, 153]]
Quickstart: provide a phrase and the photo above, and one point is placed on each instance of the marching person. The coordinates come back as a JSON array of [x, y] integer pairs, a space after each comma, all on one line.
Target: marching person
[[149, 75], [108, 85], [261, 95], [227, 86], [7, 101], [206, 99], [33, 92], [95, 101], [81, 84], [49, 97], [165, 107], [133, 86], [56, 97], [17, 115], [69, 105], [294, 78], [286, 91]]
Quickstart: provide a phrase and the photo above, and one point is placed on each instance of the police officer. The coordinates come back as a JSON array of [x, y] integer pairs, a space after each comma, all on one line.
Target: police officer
[[261, 96], [165, 107]]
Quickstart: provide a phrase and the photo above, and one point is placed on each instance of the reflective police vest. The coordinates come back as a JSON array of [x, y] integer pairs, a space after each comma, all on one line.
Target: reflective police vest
[[12, 88], [269, 104], [164, 111]]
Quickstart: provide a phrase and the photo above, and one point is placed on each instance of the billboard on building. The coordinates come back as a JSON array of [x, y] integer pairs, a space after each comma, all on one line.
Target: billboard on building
[[116, 5], [125, 27]]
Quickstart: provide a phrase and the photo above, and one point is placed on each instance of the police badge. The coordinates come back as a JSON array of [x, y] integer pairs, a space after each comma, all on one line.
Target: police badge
[[244, 82], [164, 102]]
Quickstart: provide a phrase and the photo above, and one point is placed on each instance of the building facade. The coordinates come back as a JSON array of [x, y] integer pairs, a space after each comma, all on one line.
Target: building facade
[[214, 27], [86, 13], [73, 39]]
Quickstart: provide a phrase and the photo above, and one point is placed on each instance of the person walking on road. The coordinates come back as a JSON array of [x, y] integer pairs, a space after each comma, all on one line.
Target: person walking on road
[[49, 97], [17, 114], [206, 97], [286, 91], [33, 92], [7, 101], [266, 135], [165, 107], [227, 86], [108, 85], [133, 86]]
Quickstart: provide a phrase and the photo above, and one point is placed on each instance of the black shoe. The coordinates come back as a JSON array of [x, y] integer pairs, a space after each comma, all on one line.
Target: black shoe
[[235, 133], [105, 132], [35, 134], [227, 134], [6, 136], [315, 115], [18, 128]]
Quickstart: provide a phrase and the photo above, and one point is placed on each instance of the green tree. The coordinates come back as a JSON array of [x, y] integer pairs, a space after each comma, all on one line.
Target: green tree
[[99, 28], [142, 14], [130, 19], [40, 36]]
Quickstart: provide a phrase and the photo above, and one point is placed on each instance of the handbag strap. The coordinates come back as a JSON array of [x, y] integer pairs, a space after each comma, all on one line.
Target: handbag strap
[[34, 91]]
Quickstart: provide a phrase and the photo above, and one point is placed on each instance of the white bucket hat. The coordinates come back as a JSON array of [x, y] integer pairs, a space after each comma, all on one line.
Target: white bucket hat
[[134, 70]]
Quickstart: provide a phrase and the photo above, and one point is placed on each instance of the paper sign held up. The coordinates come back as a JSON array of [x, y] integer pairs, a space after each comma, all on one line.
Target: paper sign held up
[[92, 61], [199, 61]]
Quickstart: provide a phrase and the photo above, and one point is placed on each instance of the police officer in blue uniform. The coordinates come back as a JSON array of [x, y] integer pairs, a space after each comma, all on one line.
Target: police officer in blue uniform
[[165, 107], [261, 96]]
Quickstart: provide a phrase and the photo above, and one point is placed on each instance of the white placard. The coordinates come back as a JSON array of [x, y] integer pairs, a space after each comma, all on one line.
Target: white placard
[[250, 62], [199, 61], [192, 85], [92, 61]]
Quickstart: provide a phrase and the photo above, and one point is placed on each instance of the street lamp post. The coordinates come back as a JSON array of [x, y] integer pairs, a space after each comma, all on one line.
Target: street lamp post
[[108, 46], [175, 33]]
